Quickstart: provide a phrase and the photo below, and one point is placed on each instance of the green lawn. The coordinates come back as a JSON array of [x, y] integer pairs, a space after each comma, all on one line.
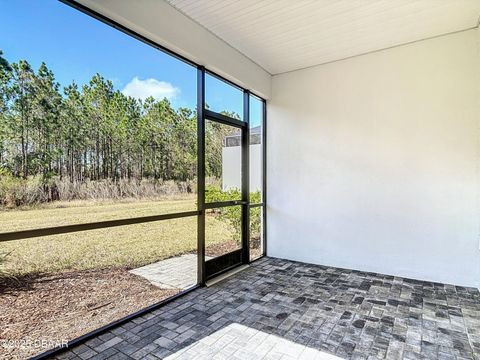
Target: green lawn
[[130, 245]]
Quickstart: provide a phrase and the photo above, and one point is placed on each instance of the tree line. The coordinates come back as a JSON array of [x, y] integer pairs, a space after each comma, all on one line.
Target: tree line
[[94, 132]]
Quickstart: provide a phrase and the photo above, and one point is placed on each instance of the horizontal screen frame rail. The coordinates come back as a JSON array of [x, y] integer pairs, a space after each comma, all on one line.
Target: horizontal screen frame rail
[[224, 119], [66, 229], [221, 204], [256, 205]]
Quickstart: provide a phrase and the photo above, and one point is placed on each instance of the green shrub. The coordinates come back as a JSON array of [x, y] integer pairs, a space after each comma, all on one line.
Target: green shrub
[[233, 214]]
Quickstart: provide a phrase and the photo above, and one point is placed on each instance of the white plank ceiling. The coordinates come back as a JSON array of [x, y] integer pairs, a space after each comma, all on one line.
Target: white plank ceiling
[[286, 35]]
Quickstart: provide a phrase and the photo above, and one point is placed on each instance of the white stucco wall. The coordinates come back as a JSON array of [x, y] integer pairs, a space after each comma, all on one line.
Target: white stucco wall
[[231, 167], [373, 162]]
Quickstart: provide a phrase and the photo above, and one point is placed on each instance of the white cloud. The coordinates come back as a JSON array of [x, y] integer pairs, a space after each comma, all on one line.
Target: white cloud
[[142, 89]]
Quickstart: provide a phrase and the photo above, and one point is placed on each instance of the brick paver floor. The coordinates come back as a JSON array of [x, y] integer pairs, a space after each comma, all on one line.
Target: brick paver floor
[[279, 309]]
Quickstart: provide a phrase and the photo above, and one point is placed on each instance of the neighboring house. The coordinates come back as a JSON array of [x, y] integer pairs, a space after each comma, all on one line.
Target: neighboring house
[[231, 160]]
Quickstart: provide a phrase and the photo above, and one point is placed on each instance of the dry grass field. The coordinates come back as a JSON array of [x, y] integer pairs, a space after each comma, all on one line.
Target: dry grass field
[[124, 246]]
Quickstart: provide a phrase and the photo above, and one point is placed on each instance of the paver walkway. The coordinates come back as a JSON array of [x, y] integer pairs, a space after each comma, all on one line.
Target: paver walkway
[[279, 309], [178, 272]]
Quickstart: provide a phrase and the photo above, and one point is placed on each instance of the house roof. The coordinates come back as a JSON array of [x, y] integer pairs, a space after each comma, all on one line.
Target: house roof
[[235, 138]]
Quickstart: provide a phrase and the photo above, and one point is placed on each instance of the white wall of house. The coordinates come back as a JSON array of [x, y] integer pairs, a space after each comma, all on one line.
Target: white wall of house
[[373, 162], [231, 167]]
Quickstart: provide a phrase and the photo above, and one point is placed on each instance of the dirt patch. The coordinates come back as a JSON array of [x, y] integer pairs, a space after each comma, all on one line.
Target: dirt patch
[[229, 246], [221, 249], [67, 305], [255, 248]]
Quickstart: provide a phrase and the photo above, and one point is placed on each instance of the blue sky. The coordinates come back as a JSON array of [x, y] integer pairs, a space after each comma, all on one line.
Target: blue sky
[[76, 46]]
